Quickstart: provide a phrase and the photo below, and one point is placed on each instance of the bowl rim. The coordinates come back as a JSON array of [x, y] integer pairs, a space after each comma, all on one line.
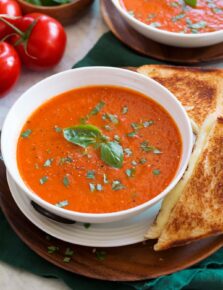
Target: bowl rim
[[43, 8], [162, 31], [94, 216]]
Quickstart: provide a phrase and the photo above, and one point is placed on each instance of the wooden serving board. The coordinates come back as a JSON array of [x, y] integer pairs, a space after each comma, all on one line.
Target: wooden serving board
[[129, 263], [126, 34]]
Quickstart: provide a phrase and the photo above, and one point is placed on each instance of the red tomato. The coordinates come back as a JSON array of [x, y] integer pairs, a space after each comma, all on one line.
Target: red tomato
[[11, 8], [9, 67], [45, 43]]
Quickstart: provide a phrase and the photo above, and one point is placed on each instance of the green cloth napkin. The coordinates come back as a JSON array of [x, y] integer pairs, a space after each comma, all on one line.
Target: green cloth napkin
[[205, 275]]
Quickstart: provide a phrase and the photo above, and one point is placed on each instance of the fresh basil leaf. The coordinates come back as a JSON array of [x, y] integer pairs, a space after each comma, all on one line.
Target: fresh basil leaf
[[52, 2], [112, 154], [83, 135], [192, 3], [35, 2]]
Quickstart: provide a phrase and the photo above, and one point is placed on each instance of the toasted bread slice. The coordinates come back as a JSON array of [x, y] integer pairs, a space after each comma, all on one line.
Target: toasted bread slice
[[197, 89], [198, 212], [171, 199]]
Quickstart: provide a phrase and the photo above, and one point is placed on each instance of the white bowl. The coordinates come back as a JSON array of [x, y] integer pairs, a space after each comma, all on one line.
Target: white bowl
[[59, 83], [167, 37]]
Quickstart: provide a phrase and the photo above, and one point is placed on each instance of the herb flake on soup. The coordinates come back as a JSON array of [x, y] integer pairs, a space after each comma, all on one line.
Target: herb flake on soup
[[178, 15], [82, 166]]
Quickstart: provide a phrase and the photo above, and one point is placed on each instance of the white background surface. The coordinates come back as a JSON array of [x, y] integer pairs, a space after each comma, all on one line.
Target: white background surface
[[81, 38]]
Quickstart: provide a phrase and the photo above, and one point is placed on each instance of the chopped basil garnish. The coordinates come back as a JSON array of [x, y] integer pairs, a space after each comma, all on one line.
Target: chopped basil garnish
[[178, 17], [136, 126], [217, 10], [117, 138], [100, 255], [110, 117], [131, 134], [65, 160], [66, 259], [48, 162], [147, 148], [92, 187], [52, 249], [192, 3], [155, 24], [93, 112], [57, 129], [66, 181], [91, 174], [107, 127], [26, 133], [43, 180], [62, 203], [142, 160], [87, 225], [134, 163], [130, 172], [99, 187], [151, 16], [69, 252], [174, 4], [156, 171], [131, 13], [117, 185], [148, 123], [105, 178], [125, 110], [128, 152]]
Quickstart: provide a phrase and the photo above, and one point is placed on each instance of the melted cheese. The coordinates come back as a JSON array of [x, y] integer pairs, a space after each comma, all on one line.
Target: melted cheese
[[171, 199]]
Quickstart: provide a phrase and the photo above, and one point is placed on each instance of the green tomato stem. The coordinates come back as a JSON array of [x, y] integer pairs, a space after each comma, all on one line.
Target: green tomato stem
[[18, 31]]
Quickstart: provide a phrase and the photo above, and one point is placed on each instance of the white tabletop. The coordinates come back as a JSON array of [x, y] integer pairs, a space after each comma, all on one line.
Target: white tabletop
[[81, 38]]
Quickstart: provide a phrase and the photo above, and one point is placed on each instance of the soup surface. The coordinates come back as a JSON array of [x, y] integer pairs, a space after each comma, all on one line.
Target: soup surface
[[176, 16], [135, 155]]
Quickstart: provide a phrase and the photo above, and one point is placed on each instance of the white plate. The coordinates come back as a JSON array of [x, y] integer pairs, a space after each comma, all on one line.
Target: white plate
[[122, 233]]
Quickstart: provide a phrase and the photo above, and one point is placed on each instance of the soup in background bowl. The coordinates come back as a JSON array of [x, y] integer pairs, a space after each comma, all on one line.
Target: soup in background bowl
[[174, 22], [96, 144]]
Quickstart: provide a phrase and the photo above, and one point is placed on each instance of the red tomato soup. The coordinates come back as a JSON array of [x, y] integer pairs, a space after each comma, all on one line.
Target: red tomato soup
[[132, 150], [176, 16]]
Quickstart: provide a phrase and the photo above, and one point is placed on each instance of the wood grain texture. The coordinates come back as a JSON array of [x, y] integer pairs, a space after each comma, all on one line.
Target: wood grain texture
[[126, 34], [66, 13], [130, 263]]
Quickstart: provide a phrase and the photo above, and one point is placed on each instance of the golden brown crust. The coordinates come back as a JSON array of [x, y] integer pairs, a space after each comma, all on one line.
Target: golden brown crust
[[199, 210], [198, 88]]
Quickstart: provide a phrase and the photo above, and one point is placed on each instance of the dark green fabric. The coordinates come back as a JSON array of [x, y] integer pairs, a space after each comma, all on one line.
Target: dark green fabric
[[204, 276]]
